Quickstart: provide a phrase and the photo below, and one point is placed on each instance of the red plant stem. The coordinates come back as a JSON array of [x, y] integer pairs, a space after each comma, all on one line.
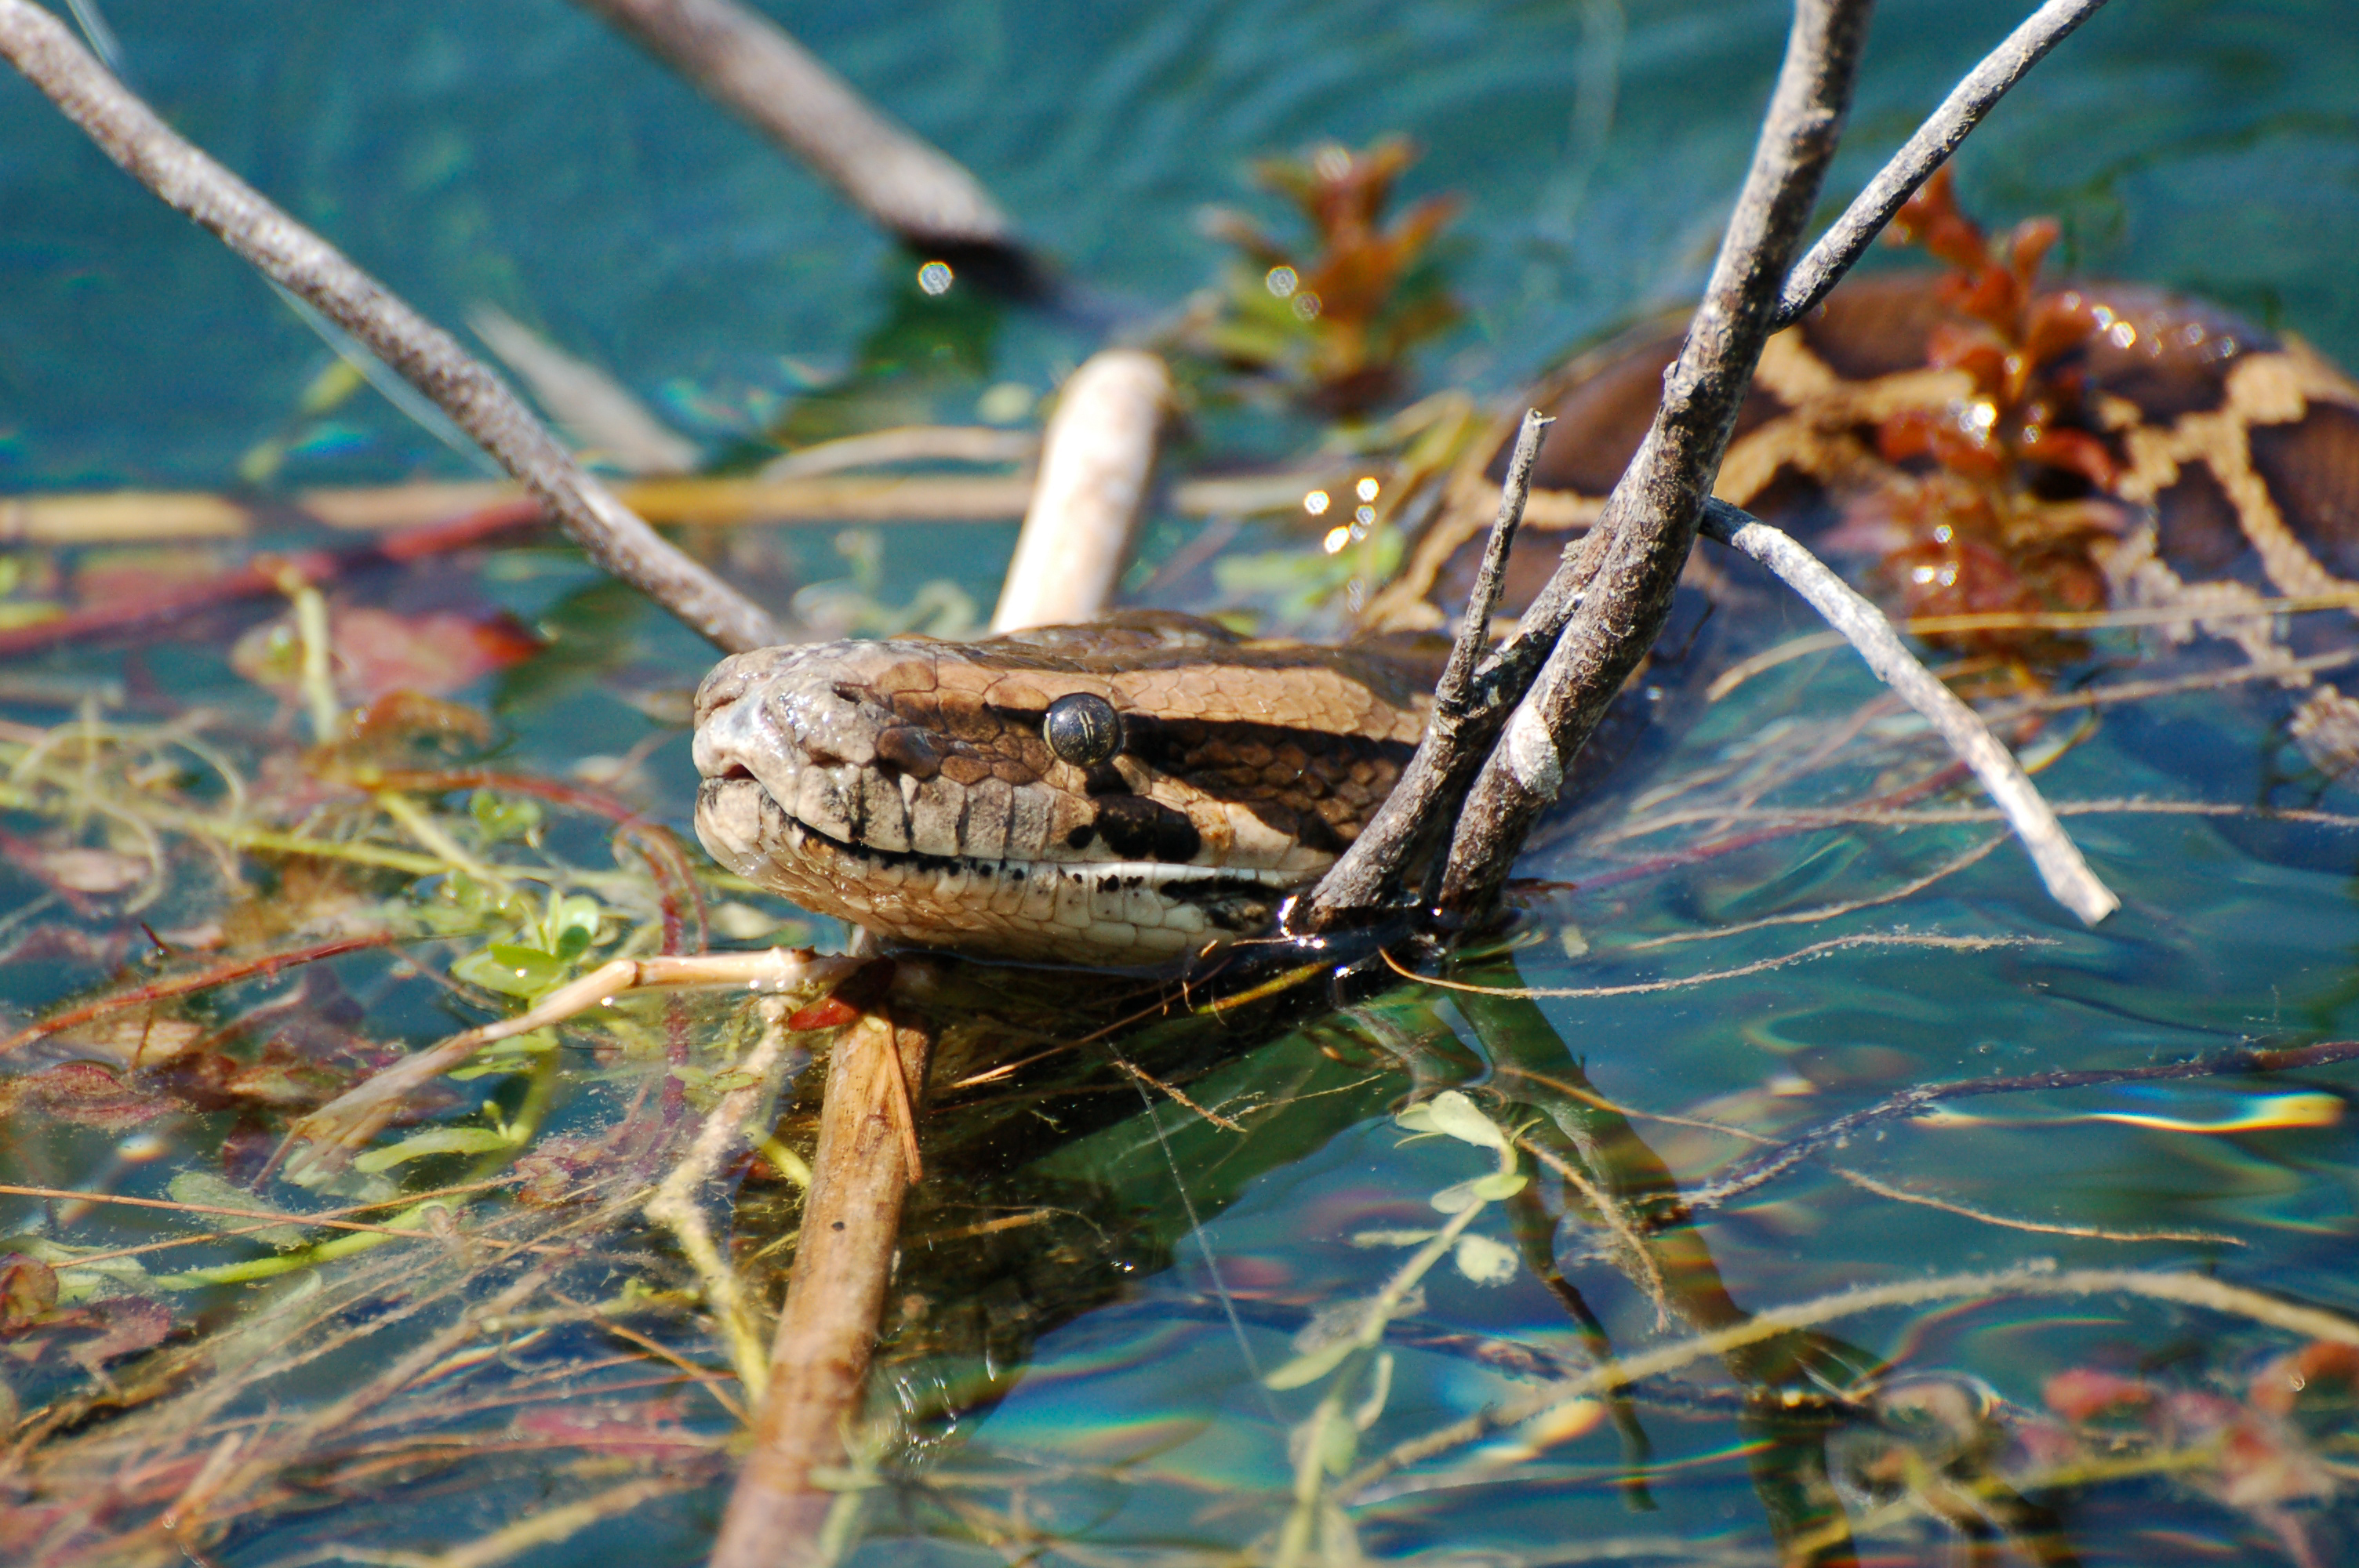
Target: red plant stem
[[204, 979], [264, 576]]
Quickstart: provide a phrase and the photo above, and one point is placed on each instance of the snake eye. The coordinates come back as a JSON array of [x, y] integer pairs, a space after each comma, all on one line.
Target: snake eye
[[1083, 728]]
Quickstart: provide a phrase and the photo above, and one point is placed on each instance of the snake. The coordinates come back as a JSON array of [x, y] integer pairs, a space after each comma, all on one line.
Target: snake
[[1148, 787]]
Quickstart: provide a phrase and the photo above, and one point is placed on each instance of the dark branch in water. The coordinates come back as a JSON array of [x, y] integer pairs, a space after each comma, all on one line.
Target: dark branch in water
[[748, 65], [1465, 722], [1640, 543], [190, 182], [1928, 150]]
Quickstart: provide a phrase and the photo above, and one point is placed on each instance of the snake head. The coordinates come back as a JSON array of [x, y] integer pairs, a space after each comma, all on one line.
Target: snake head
[[945, 794]]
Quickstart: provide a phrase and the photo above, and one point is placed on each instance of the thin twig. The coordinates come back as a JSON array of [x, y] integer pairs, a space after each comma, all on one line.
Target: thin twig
[[1466, 719], [1455, 690], [1868, 1183], [263, 966], [2067, 875], [1928, 150], [1824, 912], [1760, 1169], [1602, 610], [749, 66], [828, 495], [188, 181], [677, 1201], [1761, 966]]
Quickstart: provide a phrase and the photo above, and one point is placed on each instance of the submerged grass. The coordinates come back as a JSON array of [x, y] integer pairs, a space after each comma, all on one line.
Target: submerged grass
[[539, 1299]]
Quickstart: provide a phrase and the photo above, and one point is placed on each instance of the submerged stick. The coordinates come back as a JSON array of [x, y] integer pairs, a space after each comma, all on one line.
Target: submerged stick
[[748, 65], [2061, 868], [141, 516], [827, 1331], [192, 183], [1094, 466]]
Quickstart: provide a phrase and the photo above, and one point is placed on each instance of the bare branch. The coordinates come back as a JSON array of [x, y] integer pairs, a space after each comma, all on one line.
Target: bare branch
[[1928, 150], [1456, 689], [38, 45], [1611, 596], [826, 1330], [1466, 719], [749, 66], [2067, 876], [1094, 465]]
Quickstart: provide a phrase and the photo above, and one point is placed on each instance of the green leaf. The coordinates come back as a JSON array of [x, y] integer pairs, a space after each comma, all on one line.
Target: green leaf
[[503, 817], [1485, 1262], [1498, 1184], [511, 969], [1453, 1113], [1456, 1199], [1310, 1367], [434, 1141], [208, 1190]]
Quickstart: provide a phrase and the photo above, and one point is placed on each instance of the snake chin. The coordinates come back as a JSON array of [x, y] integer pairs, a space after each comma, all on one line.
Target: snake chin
[[1098, 913]]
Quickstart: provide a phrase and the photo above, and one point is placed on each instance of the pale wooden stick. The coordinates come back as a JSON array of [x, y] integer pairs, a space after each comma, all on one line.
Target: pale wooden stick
[[1100, 449], [2067, 876], [1095, 467]]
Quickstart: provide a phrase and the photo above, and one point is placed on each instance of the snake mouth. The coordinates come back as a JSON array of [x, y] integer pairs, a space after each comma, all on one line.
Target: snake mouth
[[1109, 910]]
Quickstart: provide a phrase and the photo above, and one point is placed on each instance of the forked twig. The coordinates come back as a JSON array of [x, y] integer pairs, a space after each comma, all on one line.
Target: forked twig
[[1466, 718], [1928, 150], [1612, 594], [334, 1130], [190, 182], [2061, 868]]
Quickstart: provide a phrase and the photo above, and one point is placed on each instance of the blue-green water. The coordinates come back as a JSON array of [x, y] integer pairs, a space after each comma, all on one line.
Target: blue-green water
[[521, 155]]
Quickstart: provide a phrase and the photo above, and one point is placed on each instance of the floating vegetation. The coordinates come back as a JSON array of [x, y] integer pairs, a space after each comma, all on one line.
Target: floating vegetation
[[1334, 319]]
